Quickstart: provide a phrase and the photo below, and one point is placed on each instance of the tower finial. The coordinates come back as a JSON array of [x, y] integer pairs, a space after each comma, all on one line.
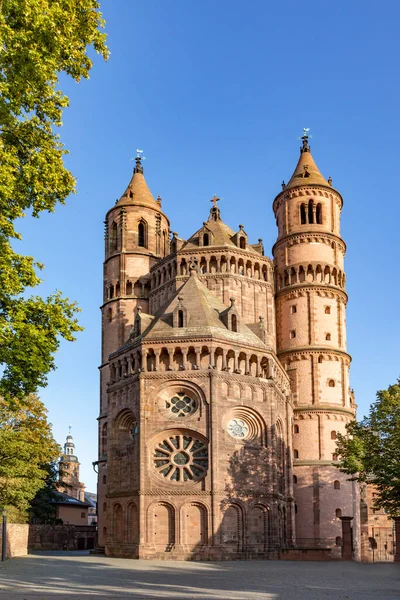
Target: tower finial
[[305, 137], [69, 429], [215, 214], [138, 160]]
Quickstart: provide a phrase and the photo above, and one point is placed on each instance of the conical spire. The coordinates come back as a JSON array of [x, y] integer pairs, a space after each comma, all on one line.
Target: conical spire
[[137, 192], [306, 171]]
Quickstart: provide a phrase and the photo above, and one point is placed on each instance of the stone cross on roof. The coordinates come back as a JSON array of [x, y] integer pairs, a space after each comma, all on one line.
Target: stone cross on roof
[[214, 199]]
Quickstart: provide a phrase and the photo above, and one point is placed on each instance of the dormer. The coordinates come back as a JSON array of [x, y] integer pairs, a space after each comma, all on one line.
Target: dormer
[[230, 317], [240, 238], [176, 243], [179, 315], [205, 236], [141, 323]]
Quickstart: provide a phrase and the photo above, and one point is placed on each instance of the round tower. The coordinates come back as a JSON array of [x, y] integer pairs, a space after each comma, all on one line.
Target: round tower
[[136, 237], [311, 344]]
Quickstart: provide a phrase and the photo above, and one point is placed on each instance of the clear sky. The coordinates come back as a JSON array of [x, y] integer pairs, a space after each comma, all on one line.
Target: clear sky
[[217, 93]]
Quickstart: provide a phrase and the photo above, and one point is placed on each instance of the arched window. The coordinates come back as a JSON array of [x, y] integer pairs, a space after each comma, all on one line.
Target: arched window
[[320, 359], [141, 235], [294, 478], [109, 315], [292, 334], [206, 239], [338, 512], [104, 478], [332, 384], [333, 435], [242, 242], [180, 318], [295, 454], [327, 310], [114, 237], [128, 288], [336, 485], [295, 429], [311, 212], [293, 309], [319, 214], [234, 323], [303, 214], [328, 337]]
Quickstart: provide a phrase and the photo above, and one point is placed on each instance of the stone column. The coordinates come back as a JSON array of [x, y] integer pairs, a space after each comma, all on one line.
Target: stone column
[[397, 539], [198, 352], [347, 549], [184, 357], [157, 355], [170, 359]]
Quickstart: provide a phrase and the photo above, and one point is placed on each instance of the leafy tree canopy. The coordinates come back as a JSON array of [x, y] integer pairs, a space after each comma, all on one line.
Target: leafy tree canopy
[[27, 447], [370, 451], [39, 39]]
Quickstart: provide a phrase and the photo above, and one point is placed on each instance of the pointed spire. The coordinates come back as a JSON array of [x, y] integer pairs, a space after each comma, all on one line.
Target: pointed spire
[[306, 171], [137, 192]]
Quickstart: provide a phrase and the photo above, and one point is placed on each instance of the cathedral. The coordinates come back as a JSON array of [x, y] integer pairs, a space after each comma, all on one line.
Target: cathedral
[[224, 379]]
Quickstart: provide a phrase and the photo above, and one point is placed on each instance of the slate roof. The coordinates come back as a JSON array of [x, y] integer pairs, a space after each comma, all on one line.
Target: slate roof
[[69, 500]]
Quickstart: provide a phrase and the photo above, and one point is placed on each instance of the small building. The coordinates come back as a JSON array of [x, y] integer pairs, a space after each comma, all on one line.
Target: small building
[[377, 529], [71, 510]]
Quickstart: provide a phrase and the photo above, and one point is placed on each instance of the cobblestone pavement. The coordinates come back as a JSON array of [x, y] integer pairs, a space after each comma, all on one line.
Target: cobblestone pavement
[[78, 576]]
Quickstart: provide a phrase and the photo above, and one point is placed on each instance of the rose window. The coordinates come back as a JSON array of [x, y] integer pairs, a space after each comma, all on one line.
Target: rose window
[[238, 428], [181, 458], [181, 405]]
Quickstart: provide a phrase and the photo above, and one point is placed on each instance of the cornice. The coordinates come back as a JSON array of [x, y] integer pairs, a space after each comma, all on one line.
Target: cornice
[[322, 409], [322, 290], [303, 190], [297, 236], [313, 350], [137, 252], [125, 208]]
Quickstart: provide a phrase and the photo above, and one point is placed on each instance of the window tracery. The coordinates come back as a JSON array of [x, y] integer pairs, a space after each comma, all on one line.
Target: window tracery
[[181, 458]]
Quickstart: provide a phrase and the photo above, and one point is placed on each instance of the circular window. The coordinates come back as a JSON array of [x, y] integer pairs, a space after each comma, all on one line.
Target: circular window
[[181, 458], [238, 428], [181, 405]]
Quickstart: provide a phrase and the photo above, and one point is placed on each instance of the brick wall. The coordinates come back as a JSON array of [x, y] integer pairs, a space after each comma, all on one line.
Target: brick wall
[[17, 539]]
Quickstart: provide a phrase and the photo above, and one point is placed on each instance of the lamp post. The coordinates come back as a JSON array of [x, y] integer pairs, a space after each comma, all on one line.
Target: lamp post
[[4, 537]]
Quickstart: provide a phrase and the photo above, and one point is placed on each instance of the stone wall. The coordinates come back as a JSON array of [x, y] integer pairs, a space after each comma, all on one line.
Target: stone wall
[[17, 539], [62, 537]]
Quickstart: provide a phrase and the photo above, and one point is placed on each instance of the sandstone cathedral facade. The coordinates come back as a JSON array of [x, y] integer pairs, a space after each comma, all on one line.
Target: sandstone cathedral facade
[[224, 379]]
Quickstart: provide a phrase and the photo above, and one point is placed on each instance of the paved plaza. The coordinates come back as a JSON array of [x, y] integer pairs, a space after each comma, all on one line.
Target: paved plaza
[[75, 576]]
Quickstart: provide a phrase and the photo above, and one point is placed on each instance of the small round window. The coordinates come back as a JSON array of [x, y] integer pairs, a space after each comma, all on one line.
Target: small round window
[[238, 428], [181, 405]]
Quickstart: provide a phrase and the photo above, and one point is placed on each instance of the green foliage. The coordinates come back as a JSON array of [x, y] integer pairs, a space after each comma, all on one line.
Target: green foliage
[[27, 447], [42, 508], [370, 451], [39, 39]]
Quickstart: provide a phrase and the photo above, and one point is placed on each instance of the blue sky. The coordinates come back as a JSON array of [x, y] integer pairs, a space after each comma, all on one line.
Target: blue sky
[[217, 94]]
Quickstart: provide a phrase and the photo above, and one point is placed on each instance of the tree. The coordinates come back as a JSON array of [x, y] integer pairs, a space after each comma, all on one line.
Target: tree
[[42, 507], [39, 39], [27, 447], [370, 451]]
